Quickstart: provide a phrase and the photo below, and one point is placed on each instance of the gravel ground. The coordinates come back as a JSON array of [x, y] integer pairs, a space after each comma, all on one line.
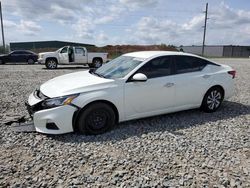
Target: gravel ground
[[185, 149]]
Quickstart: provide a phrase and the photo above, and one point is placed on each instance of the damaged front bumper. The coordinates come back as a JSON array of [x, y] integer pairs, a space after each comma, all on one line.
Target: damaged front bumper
[[41, 61], [29, 109], [57, 120]]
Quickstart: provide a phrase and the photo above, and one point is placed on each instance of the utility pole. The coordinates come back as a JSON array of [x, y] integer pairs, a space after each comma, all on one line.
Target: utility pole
[[205, 28], [1, 15]]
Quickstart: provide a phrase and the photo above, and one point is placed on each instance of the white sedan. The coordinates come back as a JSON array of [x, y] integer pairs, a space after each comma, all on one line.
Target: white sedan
[[132, 86]]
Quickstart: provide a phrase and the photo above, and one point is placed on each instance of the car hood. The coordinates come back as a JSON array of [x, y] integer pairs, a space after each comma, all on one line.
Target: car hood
[[47, 53], [78, 82]]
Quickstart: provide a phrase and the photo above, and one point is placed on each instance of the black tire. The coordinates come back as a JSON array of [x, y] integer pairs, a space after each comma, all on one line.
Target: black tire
[[91, 65], [51, 64], [2, 61], [212, 99], [97, 62], [96, 119], [30, 61]]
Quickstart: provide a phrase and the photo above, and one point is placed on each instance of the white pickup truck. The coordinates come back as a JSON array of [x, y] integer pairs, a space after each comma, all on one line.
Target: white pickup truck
[[69, 55]]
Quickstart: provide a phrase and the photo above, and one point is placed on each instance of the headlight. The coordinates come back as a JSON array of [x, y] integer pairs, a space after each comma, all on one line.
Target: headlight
[[58, 101]]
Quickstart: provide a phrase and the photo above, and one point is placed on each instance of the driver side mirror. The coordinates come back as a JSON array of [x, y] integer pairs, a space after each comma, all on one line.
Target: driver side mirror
[[139, 77]]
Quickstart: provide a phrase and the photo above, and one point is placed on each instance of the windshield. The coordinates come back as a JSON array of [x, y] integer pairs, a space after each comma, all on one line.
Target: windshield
[[118, 67]]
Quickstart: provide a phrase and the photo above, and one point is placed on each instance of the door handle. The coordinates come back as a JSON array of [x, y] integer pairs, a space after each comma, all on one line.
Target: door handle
[[206, 76], [169, 84]]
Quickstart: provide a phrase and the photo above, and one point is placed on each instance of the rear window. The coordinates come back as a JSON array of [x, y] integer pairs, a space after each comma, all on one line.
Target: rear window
[[185, 64]]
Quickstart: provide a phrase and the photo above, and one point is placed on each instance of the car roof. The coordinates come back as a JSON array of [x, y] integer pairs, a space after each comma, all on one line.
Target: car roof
[[151, 54], [22, 51]]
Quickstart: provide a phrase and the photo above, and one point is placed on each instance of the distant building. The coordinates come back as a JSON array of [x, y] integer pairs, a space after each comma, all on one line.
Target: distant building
[[218, 51], [44, 45]]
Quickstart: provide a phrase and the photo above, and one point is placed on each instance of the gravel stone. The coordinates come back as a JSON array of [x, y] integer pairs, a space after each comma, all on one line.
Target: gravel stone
[[184, 149]]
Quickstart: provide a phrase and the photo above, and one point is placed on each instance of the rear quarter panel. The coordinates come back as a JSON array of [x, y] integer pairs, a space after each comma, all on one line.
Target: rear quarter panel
[[220, 76], [92, 55]]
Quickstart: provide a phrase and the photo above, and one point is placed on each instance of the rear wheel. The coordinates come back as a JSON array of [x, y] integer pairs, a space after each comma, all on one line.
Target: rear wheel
[[97, 62], [30, 61], [96, 119], [51, 64], [212, 99]]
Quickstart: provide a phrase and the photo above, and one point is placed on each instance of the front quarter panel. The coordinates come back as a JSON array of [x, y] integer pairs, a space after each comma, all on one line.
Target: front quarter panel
[[113, 94], [50, 55]]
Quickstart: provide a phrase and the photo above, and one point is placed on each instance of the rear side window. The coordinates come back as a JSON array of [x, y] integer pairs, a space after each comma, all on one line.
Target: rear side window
[[185, 64], [79, 51], [157, 67], [28, 53], [25, 52]]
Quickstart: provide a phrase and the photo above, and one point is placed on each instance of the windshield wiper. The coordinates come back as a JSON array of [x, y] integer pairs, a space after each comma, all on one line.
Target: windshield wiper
[[99, 75]]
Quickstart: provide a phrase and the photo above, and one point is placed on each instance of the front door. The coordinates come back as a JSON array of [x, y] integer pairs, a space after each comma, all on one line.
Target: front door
[[64, 55], [154, 96]]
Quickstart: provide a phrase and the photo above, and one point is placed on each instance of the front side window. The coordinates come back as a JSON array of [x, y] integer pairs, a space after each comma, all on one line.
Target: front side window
[[27, 53], [157, 67], [118, 67], [64, 50], [185, 64]]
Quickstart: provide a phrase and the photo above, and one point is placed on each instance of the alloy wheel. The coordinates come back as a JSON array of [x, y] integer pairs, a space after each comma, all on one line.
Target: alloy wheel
[[97, 63], [214, 99], [30, 61], [52, 64]]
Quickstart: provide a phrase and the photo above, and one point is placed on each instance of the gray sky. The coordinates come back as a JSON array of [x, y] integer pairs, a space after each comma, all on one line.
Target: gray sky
[[102, 22]]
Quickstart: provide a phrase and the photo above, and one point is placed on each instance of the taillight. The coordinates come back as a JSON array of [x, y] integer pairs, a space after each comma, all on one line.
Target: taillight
[[233, 73]]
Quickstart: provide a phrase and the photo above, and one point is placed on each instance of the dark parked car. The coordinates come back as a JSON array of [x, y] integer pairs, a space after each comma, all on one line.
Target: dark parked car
[[19, 56]]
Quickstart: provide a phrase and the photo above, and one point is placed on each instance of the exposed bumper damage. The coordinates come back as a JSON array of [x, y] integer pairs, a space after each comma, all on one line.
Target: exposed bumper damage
[[25, 127], [56, 120]]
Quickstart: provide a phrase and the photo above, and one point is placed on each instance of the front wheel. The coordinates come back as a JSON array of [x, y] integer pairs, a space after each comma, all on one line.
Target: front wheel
[[96, 119], [212, 99], [51, 64]]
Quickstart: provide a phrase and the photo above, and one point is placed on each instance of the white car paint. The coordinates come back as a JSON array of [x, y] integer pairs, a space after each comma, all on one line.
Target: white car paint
[[77, 82], [132, 99], [84, 57]]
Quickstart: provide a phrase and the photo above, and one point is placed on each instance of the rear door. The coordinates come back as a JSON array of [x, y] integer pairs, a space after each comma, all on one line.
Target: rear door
[[64, 56], [26, 55], [191, 81], [80, 55], [154, 96], [16, 56]]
